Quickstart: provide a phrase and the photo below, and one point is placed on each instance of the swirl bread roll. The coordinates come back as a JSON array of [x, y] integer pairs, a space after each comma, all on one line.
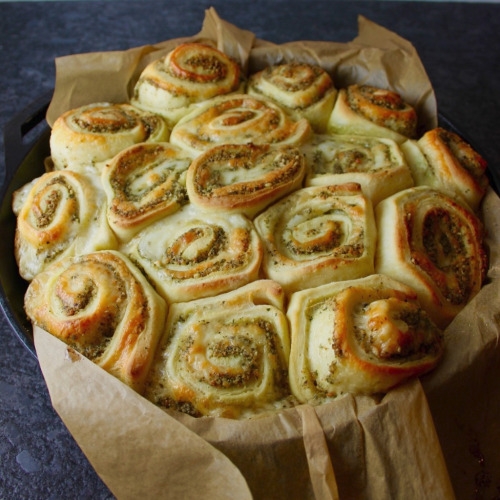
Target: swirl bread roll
[[102, 306], [190, 254], [224, 356], [362, 336], [85, 137], [433, 244], [368, 110], [63, 213], [238, 119], [443, 160], [378, 165], [317, 235], [303, 90], [143, 183], [191, 73], [244, 178]]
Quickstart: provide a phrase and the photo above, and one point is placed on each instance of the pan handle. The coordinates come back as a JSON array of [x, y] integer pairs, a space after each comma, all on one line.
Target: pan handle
[[17, 139]]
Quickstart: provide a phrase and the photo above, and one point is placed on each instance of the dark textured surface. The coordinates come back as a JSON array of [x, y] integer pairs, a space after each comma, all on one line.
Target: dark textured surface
[[458, 44]]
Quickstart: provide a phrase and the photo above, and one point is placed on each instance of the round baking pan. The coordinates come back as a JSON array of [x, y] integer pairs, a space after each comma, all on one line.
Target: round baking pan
[[26, 139]]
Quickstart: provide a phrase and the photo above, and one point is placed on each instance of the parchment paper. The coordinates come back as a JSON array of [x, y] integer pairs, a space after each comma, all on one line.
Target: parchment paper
[[111, 76], [355, 447], [464, 393], [377, 56]]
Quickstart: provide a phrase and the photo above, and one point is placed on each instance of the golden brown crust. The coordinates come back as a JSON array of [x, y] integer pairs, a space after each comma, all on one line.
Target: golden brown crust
[[84, 137], [191, 254], [361, 337], [229, 239], [456, 166], [61, 214], [238, 119], [190, 73], [101, 305], [368, 110], [144, 183], [434, 245], [303, 90], [317, 235], [244, 178], [224, 356]]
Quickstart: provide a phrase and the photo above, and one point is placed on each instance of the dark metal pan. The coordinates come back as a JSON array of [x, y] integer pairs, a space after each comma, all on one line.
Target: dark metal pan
[[26, 139]]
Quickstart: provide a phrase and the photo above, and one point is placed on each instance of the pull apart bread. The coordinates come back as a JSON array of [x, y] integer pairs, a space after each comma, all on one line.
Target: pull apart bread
[[231, 244]]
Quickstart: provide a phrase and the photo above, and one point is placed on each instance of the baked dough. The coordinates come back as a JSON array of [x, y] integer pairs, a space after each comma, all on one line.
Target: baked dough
[[372, 111], [238, 119], [225, 356], [377, 164], [61, 213], [443, 160], [190, 73], [244, 178], [434, 245], [303, 90], [317, 235], [103, 307], [262, 193], [192, 254], [85, 137], [361, 336], [144, 183]]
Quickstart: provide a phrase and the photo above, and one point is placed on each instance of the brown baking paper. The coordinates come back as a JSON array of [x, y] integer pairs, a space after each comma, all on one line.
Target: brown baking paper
[[111, 76], [358, 447], [377, 57], [464, 393], [354, 447]]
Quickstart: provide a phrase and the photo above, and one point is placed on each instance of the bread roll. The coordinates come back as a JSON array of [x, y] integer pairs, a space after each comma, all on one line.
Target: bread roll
[[63, 213], [378, 165], [368, 110], [318, 234], [238, 119], [244, 178], [190, 73], [361, 336], [303, 90], [443, 160], [144, 183], [191, 254], [225, 356], [102, 306], [85, 137], [433, 244]]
